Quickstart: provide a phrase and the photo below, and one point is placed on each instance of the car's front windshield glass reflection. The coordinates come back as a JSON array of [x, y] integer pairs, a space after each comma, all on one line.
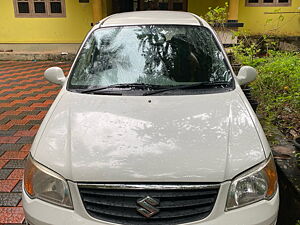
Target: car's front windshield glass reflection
[[165, 55]]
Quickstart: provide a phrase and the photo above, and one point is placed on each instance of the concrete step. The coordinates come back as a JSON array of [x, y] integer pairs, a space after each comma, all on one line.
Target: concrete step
[[36, 56]]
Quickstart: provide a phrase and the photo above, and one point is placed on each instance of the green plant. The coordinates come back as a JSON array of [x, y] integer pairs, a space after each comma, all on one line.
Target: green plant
[[297, 155], [277, 88], [249, 49], [273, 24], [217, 16], [298, 222]]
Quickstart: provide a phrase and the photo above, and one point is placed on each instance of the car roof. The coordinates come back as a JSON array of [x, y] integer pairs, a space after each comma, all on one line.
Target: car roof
[[152, 17]]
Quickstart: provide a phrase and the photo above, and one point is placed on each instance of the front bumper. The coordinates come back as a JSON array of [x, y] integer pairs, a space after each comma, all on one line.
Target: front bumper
[[38, 212]]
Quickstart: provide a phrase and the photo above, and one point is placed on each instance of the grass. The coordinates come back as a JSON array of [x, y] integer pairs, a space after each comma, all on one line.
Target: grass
[[277, 89]]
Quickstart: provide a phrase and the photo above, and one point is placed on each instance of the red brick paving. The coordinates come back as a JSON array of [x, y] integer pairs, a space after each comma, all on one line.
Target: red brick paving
[[26, 148], [14, 155], [7, 185], [16, 174], [25, 96], [10, 140], [11, 215], [3, 162]]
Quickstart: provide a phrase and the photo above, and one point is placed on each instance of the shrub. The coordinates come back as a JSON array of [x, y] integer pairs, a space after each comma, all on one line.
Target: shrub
[[217, 16], [277, 89]]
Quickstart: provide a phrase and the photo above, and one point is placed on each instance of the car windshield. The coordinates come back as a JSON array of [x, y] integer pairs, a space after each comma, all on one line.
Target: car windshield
[[150, 55]]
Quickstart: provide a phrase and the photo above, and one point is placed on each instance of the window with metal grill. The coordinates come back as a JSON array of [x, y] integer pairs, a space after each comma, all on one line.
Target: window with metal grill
[[178, 5], [55, 6], [39, 8], [263, 3], [23, 6], [164, 5]]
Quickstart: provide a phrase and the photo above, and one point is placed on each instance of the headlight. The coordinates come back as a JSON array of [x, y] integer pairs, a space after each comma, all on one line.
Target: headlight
[[42, 183], [254, 185]]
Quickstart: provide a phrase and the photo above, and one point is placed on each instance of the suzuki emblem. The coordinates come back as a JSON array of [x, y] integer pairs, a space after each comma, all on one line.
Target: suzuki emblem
[[147, 208]]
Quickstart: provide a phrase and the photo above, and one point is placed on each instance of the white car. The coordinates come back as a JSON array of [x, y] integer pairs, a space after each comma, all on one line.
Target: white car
[[151, 127]]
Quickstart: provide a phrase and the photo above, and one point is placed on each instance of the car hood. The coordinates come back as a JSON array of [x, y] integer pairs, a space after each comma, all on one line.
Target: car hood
[[192, 138]]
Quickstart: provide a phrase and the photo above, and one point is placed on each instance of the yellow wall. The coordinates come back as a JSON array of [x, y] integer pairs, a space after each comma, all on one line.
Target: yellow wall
[[73, 28], [200, 7], [70, 29], [254, 19]]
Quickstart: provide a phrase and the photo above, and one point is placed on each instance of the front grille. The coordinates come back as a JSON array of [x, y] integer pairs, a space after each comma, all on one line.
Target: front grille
[[177, 203]]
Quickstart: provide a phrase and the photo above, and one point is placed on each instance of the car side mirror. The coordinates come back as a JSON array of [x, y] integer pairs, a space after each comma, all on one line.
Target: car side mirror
[[55, 75], [246, 75]]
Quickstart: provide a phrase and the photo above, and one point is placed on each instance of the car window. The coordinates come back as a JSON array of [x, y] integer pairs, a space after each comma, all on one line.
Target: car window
[[166, 55]]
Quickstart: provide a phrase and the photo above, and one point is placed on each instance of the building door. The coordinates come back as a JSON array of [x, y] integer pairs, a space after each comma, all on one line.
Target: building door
[[122, 6], [136, 5], [176, 5]]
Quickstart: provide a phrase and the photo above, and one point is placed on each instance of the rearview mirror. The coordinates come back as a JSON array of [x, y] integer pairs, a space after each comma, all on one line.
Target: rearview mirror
[[246, 75], [55, 75]]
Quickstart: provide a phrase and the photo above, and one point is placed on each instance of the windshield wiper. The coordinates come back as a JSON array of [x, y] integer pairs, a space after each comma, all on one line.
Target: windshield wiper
[[190, 86], [127, 85]]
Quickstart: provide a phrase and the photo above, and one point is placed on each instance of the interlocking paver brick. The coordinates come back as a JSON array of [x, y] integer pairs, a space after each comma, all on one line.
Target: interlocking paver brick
[[43, 108], [25, 140], [11, 117], [3, 109], [7, 185], [14, 164], [16, 174], [18, 188], [10, 199], [34, 122], [5, 126], [11, 147], [21, 127], [2, 152], [4, 120], [14, 155], [25, 97], [18, 122], [4, 173], [26, 148], [3, 162], [8, 140], [23, 133], [20, 203], [11, 215], [10, 113]]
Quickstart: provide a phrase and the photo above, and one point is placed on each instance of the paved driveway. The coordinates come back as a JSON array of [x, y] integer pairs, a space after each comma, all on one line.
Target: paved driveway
[[25, 97]]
